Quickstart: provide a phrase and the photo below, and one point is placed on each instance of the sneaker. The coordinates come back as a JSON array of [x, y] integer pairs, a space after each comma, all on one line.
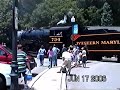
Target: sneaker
[[49, 66], [59, 72], [41, 65]]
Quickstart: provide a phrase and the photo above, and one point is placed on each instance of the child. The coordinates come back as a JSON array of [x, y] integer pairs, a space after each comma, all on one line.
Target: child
[[84, 57], [79, 57]]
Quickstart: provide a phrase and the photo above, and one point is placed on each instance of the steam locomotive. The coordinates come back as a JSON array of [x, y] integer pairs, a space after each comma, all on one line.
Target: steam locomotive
[[102, 42], [33, 39]]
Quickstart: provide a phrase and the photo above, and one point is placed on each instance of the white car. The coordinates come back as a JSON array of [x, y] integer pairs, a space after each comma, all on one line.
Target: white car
[[5, 79]]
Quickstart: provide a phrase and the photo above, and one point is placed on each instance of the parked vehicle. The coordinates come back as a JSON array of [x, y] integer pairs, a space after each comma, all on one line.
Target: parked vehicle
[[5, 79], [6, 56], [5, 68]]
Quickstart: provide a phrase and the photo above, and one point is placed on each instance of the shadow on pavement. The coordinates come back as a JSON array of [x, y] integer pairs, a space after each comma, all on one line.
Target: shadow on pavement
[[86, 67], [34, 74], [21, 87]]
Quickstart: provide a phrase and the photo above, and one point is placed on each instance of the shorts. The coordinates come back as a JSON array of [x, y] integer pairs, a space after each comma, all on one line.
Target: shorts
[[84, 59], [67, 64], [23, 74]]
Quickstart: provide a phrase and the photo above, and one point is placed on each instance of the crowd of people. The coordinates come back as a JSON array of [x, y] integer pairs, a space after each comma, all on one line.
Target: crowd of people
[[73, 54], [52, 54]]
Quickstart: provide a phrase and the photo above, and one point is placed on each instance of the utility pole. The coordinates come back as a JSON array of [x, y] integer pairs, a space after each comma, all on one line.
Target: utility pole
[[14, 66]]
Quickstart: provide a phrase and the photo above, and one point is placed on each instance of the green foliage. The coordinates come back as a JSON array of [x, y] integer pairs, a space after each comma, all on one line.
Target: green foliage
[[51, 11], [89, 16], [40, 13], [93, 16], [115, 7], [106, 19], [5, 13], [89, 3], [26, 8], [5, 19]]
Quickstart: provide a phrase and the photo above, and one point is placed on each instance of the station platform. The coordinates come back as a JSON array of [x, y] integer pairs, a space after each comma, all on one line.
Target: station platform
[[48, 79], [109, 72]]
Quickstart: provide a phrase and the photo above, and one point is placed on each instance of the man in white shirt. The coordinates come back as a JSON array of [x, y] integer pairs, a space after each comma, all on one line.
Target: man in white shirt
[[67, 58]]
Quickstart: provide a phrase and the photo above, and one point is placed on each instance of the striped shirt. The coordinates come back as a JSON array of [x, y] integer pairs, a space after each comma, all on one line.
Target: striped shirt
[[21, 59]]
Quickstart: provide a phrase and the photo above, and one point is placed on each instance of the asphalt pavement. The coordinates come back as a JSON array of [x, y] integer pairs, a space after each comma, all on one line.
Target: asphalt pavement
[[49, 77], [96, 76], [39, 69]]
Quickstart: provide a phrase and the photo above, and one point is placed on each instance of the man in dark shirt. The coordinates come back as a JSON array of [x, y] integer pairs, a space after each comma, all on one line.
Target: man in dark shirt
[[64, 48]]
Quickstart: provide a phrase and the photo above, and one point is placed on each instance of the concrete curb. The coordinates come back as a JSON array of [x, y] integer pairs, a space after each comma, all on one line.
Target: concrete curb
[[57, 83], [36, 78]]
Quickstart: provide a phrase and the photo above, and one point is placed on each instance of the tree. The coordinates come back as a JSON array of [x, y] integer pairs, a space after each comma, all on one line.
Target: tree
[[50, 12], [115, 6], [26, 8], [94, 16], [89, 3], [5, 14], [5, 19], [106, 19]]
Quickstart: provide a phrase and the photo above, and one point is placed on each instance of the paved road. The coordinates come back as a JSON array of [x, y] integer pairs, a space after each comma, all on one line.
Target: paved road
[[49, 77], [108, 71], [86, 75], [35, 71], [39, 68]]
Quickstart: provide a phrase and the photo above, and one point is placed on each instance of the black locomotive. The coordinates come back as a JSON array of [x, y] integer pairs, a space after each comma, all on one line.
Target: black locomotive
[[101, 41]]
